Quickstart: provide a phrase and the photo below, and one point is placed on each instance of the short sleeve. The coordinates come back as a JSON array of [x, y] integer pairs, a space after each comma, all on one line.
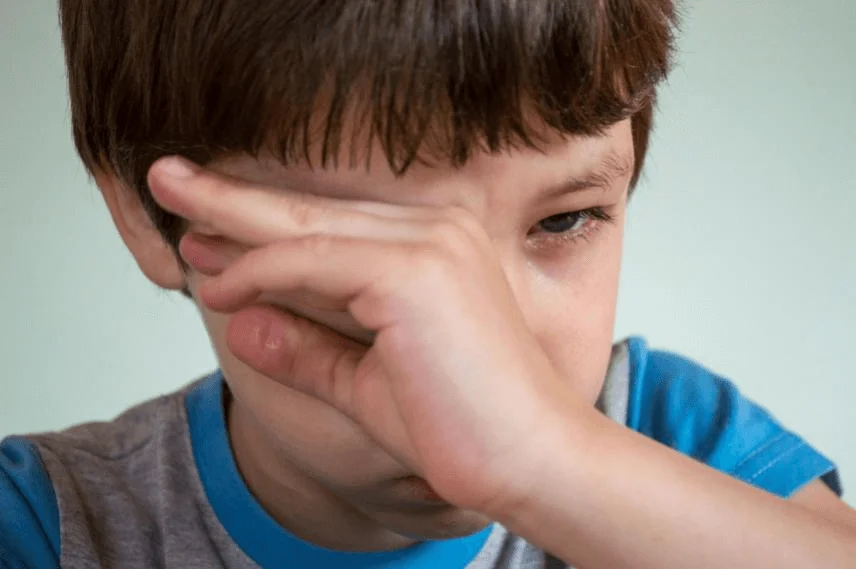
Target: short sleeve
[[679, 403], [29, 517]]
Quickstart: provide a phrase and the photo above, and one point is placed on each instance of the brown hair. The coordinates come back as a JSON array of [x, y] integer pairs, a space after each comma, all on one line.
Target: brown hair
[[209, 78]]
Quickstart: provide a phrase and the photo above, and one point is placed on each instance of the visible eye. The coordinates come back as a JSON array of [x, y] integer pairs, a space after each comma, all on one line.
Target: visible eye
[[567, 227], [563, 222]]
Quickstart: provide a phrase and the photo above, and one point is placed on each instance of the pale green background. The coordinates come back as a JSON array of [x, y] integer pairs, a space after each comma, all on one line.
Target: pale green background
[[739, 249]]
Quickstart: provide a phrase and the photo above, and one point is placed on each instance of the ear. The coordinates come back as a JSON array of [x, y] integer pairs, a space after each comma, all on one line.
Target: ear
[[154, 257]]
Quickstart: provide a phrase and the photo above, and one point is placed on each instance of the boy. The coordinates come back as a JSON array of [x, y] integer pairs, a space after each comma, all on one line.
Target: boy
[[405, 246]]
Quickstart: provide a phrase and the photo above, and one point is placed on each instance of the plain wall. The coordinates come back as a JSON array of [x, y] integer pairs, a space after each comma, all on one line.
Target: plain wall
[[739, 248]]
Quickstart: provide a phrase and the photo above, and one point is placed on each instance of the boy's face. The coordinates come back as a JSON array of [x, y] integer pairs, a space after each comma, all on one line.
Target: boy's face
[[566, 289]]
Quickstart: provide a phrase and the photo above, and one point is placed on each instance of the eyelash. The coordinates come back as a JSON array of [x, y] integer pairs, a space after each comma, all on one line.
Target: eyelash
[[596, 218]]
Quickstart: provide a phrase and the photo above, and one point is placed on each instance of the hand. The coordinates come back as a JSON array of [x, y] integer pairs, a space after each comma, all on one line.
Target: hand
[[455, 385]]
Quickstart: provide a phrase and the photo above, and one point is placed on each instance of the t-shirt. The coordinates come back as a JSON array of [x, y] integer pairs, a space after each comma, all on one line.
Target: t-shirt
[[158, 486]]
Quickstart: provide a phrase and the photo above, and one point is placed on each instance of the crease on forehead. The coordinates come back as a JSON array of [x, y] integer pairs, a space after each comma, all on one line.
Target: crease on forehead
[[562, 161]]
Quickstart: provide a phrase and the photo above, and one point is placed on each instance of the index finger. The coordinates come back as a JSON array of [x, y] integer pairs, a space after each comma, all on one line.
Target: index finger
[[255, 215]]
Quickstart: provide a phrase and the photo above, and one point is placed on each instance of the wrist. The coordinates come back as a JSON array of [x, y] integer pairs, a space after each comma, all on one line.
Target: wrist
[[551, 464]]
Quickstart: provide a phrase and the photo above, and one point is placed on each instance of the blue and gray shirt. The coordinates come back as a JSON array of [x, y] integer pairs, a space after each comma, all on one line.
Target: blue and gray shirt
[[158, 486]]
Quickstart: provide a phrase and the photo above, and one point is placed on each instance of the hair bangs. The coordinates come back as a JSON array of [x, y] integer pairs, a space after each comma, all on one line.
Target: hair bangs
[[303, 80]]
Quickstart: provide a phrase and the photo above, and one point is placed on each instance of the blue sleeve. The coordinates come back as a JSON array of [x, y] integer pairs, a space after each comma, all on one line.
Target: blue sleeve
[[29, 517], [690, 409]]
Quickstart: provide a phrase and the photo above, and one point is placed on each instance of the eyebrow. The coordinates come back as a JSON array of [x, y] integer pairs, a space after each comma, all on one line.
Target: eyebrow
[[613, 166]]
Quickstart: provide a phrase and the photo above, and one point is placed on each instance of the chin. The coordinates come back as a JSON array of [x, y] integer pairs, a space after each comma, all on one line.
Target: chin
[[409, 507], [447, 522]]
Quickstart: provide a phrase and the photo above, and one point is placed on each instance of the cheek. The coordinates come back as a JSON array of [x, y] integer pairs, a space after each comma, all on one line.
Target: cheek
[[572, 314], [297, 425], [578, 342]]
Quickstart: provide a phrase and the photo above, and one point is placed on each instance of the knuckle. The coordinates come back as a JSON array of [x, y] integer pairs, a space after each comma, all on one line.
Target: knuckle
[[465, 220], [454, 242], [432, 263], [450, 236]]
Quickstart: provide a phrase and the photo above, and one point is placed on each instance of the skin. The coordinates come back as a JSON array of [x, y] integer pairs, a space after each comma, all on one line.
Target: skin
[[411, 277]]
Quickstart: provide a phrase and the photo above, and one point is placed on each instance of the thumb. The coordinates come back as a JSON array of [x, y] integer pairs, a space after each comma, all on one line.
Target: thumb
[[297, 352], [311, 358]]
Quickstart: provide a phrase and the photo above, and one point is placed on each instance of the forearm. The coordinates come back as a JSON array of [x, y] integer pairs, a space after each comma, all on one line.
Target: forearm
[[616, 499]]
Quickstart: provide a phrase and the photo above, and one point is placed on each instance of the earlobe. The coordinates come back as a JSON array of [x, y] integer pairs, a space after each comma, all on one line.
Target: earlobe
[[154, 257]]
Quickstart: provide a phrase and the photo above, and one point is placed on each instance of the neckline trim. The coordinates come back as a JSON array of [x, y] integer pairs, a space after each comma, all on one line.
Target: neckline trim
[[256, 533]]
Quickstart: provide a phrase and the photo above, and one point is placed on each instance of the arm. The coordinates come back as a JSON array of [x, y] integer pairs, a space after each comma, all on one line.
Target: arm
[[504, 435], [29, 521], [615, 498]]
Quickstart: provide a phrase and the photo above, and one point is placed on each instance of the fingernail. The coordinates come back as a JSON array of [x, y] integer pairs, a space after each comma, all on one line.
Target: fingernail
[[251, 337], [176, 168], [257, 331], [271, 335]]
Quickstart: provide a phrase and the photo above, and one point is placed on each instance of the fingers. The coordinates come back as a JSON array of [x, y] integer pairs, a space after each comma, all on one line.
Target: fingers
[[255, 215], [314, 360], [209, 255], [296, 352], [336, 268]]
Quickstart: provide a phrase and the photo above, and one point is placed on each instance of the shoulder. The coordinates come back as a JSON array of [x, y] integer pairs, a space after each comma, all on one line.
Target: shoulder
[[114, 439], [680, 403], [29, 518], [97, 471]]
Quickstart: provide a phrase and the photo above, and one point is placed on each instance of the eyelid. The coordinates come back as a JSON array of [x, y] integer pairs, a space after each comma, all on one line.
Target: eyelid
[[599, 217]]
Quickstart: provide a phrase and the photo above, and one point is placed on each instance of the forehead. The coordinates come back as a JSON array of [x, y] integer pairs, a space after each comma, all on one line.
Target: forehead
[[485, 176]]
